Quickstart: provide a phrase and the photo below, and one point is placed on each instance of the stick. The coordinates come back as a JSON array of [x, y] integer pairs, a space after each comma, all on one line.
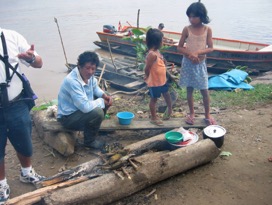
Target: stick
[[101, 74], [138, 15], [152, 192], [111, 55], [118, 174], [126, 173], [129, 24], [133, 164], [56, 21], [50, 152]]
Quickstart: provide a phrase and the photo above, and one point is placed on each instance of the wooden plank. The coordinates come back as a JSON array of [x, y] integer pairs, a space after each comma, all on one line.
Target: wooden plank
[[113, 124], [135, 83], [146, 125]]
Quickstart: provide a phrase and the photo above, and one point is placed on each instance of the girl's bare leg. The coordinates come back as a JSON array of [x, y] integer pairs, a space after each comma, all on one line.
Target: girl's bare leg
[[152, 107], [168, 101], [206, 102], [190, 100]]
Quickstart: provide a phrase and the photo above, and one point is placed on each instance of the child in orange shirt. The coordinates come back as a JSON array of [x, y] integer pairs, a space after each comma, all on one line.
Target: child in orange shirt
[[155, 75]]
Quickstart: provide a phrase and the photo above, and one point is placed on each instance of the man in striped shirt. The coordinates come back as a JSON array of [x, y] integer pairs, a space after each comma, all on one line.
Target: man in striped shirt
[[81, 102]]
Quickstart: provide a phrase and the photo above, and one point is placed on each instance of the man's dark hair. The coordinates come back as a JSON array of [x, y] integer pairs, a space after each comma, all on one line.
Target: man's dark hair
[[154, 38], [199, 10], [87, 57], [161, 26]]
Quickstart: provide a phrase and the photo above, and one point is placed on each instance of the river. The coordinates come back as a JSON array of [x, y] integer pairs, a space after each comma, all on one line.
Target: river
[[248, 20]]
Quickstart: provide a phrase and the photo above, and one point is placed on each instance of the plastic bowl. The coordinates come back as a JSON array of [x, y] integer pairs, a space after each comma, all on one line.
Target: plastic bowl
[[173, 137], [125, 118]]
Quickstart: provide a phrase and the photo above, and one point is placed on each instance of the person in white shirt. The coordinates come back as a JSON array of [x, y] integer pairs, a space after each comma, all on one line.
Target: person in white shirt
[[15, 120]]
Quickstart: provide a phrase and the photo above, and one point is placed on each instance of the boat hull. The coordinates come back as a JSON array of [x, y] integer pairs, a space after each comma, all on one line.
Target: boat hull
[[254, 59], [117, 80]]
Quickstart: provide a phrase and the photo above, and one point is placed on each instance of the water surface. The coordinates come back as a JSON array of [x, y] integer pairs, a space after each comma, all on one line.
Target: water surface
[[248, 20]]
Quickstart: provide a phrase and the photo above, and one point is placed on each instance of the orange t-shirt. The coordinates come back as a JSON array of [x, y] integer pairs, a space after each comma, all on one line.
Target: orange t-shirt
[[157, 75]]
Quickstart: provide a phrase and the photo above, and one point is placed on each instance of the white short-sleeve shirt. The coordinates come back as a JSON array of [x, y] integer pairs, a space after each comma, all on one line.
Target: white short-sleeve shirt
[[16, 44]]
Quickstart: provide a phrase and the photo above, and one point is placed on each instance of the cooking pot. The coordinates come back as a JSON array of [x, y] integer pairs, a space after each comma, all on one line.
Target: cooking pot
[[216, 133]]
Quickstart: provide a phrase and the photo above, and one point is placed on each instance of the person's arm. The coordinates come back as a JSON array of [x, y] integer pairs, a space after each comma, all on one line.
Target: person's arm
[[98, 92], [209, 43], [150, 59], [107, 100], [80, 99], [29, 56], [183, 37]]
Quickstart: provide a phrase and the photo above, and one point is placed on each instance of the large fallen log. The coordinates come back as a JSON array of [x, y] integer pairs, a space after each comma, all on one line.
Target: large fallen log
[[36, 196], [155, 168], [157, 143]]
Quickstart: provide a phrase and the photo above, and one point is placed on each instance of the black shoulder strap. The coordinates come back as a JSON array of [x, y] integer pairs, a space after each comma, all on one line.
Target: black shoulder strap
[[13, 69], [5, 58]]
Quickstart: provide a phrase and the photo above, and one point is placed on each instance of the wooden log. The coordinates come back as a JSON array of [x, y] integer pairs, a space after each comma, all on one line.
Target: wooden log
[[87, 167], [77, 171], [157, 143], [108, 188], [36, 196]]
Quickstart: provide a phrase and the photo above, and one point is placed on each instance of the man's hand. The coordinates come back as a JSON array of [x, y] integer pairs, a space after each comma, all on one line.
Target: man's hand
[[107, 100], [28, 55]]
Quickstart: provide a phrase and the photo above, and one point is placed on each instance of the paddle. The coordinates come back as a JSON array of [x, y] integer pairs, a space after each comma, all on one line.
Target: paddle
[[101, 74], [67, 65]]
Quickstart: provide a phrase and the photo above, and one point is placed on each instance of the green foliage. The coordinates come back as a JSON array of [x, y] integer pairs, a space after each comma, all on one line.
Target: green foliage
[[182, 93], [138, 38], [45, 105], [261, 94], [225, 154], [107, 116]]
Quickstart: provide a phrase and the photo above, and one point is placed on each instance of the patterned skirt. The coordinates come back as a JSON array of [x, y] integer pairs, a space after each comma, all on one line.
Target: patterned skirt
[[193, 75]]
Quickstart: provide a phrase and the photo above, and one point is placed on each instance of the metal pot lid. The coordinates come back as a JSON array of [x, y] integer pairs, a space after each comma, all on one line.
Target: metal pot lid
[[214, 131]]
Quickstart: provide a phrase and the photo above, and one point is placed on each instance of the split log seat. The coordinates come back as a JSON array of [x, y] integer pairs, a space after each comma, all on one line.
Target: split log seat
[[63, 140]]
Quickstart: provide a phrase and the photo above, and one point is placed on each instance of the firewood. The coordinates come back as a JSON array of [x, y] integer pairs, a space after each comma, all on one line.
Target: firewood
[[157, 166]]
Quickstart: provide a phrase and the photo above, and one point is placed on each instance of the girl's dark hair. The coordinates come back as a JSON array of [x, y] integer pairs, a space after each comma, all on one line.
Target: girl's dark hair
[[87, 57], [154, 38], [199, 10]]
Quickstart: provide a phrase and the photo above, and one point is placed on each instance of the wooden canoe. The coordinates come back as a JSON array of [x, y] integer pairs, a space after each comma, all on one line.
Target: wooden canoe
[[117, 80], [228, 53]]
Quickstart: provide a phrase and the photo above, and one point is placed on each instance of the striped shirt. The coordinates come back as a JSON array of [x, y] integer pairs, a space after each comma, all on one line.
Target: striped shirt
[[76, 95]]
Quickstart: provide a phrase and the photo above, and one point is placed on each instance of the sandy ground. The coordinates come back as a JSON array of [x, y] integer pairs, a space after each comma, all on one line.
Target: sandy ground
[[243, 178]]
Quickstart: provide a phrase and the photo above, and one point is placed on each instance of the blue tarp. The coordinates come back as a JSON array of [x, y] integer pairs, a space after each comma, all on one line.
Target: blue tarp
[[229, 81]]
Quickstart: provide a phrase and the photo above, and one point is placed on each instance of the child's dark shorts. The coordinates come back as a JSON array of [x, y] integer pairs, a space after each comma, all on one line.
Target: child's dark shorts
[[155, 92]]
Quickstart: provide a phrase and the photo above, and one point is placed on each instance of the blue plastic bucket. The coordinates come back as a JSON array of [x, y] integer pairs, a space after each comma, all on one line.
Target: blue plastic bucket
[[125, 118]]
